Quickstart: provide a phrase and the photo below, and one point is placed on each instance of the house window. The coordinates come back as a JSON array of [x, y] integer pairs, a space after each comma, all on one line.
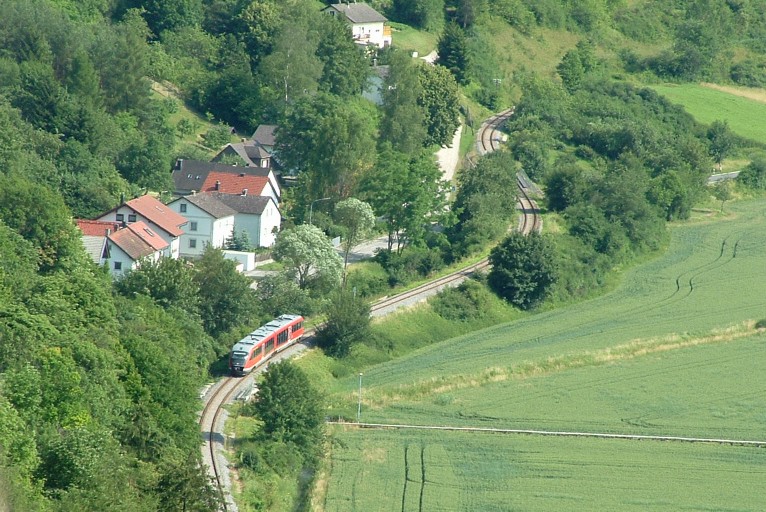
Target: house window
[[118, 265], [183, 207], [120, 217], [192, 243], [193, 226], [132, 217]]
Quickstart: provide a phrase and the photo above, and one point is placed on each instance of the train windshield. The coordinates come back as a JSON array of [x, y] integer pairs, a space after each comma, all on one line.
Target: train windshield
[[238, 355]]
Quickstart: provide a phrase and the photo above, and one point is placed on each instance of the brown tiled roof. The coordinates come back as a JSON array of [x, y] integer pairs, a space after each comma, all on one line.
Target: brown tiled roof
[[192, 174], [138, 240], [159, 214], [234, 183], [97, 227]]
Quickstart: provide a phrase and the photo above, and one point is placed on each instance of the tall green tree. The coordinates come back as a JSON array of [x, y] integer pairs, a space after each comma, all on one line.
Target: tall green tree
[[440, 102], [408, 192], [403, 123], [425, 14], [722, 141], [226, 299], [331, 140], [357, 220], [345, 69], [292, 69], [523, 269], [348, 323], [453, 52], [290, 408]]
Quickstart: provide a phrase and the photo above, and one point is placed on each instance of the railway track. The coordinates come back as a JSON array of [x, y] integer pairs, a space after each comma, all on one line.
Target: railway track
[[210, 420]]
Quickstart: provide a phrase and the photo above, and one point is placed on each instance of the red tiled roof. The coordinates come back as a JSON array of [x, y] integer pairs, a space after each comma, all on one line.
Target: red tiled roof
[[138, 240], [97, 227], [235, 183], [158, 214]]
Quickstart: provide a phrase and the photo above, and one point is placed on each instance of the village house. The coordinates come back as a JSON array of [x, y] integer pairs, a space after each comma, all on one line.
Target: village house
[[134, 243], [155, 215], [195, 176], [368, 26]]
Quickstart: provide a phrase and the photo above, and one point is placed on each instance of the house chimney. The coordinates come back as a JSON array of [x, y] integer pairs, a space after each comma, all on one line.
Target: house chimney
[[244, 192], [217, 184]]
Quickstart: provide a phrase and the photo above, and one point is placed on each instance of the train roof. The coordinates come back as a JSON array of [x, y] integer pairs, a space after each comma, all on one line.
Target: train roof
[[263, 332]]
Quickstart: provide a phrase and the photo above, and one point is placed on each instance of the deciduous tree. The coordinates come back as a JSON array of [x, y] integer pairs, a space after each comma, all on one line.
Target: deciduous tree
[[523, 269], [440, 103], [309, 255], [357, 219], [290, 407]]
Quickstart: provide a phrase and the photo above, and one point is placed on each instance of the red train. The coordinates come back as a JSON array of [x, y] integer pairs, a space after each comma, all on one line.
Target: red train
[[265, 341]]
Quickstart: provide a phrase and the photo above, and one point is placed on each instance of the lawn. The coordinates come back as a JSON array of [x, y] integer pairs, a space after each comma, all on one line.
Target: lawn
[[671, 351], [743, 110], [407, 38]]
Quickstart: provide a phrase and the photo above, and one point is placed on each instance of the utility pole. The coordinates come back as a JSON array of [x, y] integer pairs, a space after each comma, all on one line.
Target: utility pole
[[359, 403]]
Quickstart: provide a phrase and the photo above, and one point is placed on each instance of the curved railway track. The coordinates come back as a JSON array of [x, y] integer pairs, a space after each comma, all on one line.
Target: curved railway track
[[489, 140]]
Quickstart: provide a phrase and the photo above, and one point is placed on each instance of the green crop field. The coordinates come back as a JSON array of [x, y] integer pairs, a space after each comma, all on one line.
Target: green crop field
[[672, 351], [395, 471], [744, 115]]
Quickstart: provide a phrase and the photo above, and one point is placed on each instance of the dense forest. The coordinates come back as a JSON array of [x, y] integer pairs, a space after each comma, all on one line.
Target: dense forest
[[99, 380]]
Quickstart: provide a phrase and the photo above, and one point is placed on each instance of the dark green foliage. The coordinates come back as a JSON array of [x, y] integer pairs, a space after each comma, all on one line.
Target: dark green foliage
[[348, 323], [453, 52], [290, 408], [345, 69], [468, 301], [367, 280], [523, 269], [722, 141], [403, 121], [440, 103], [162, 15], [468, 11], [485, 203], [170, 282], [185, 486], [410, 264], [239, 241], [754, 175], [425, 14], [40, 216], [279, 293], [330, 140], [226, 299], [407, 193]]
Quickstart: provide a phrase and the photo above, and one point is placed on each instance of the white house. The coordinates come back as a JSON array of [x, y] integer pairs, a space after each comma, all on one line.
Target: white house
[[167, 223], [95, 238], [368, 26], [191, 176], [132, 244], [211, 222], [258, 216]]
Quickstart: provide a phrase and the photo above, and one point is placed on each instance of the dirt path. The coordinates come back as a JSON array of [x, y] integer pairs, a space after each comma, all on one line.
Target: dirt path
[[750, 93]]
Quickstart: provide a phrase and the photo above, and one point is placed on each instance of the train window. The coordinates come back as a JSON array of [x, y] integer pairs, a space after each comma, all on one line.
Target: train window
[[282, 337], [296, 327], [269, 345], [257, 352]]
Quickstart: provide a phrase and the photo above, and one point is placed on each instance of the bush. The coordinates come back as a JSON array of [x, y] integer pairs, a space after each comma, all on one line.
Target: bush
[[412, 263], [468, 301], [760, 324], [367, 278]]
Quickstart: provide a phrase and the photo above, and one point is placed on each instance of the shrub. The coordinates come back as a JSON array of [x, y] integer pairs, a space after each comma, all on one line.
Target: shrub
[[468, 301], [368, 279]]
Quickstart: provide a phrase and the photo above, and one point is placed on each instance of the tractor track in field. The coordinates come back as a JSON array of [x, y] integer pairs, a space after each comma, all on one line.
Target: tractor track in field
[[554, 433]]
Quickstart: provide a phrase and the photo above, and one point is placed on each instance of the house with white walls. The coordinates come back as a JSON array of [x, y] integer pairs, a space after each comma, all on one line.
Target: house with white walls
[[368, 26], [211, 222]]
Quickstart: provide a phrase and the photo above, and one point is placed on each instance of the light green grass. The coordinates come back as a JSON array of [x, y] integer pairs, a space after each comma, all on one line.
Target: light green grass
[[745, 116], [489, 472], [652, 357], [407, 38]]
